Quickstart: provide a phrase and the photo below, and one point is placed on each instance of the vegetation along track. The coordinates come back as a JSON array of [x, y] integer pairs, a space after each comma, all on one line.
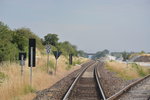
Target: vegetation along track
[[139, 90], [86, 86]]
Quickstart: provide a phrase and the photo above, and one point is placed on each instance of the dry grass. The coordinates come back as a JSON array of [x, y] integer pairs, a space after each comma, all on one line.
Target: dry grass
[[16, 87], [138, 54], [128, 71]]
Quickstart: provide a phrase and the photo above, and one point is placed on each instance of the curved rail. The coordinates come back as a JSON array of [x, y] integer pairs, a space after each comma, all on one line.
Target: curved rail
[[75, 81], [113, 97], [97, 76]]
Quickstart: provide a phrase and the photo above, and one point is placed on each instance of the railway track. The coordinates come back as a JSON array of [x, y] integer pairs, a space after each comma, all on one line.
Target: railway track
[[86, 86], [139, 90]]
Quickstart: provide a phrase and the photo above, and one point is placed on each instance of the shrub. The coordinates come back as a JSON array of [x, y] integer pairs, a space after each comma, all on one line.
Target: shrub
[[28, 89], [139, 69]]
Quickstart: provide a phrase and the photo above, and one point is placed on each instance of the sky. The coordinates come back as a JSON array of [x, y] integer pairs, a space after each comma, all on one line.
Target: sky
[[91, 25]]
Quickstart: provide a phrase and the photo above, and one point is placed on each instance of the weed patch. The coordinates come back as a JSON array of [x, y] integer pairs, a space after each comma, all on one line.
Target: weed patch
[[2, 77], [28, 89], [139, 69], [77, 62], [68, 67]]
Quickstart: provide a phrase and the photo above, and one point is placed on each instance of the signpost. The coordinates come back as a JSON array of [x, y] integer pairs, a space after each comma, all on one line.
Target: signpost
[[22, 58], [56, 54], [48, 52], [32, 56], [70, 59]]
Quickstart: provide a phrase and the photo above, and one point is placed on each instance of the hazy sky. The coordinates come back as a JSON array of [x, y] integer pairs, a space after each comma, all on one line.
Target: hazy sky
[[92, 25]]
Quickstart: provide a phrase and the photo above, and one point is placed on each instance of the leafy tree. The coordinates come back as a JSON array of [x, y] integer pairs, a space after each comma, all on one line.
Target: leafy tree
[[13, 41], [105, 52], [82, 54], [8, 51], [20, 41], [51, 39], [22, 36], [100, 54], [5, 33], [67, 48]]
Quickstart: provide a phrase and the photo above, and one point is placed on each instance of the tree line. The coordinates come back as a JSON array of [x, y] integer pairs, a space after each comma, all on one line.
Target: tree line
[[14, 41]]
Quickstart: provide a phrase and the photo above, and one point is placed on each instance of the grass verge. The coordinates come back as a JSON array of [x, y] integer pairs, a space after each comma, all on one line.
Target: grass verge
[[17, 87], [127, 71]]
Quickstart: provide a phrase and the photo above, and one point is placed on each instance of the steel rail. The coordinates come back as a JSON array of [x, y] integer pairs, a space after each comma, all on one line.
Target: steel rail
[[113, 97], [97, 76], [75, 81]]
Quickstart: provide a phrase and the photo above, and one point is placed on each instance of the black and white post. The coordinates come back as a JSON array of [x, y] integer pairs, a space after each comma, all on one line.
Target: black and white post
[[22, 58], [48, 52], [31, 66], [22, 64]]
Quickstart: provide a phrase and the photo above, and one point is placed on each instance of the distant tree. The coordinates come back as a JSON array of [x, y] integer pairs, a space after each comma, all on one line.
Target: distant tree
[[116, 54], [82, 54], [100, 54], [67, 48], [142, 52], [125, 55], [51, 39], [105, 51]]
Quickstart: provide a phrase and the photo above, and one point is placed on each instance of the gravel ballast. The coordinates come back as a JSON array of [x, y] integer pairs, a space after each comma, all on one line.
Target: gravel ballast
[[110, 82], [57, 91]]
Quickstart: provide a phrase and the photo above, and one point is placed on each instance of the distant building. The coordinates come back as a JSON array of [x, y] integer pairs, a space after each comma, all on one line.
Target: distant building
[[109, 57]]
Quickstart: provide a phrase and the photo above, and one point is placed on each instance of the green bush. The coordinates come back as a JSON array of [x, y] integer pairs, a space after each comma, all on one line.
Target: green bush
[[28, 89], [139, 69]]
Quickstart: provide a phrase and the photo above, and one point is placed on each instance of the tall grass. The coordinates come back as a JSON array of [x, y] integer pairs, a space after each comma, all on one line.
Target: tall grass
[[76, 61], [128, 71], [13, 86]]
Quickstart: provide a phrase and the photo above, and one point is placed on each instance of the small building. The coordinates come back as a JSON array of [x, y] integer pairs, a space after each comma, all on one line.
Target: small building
[[109, 57]]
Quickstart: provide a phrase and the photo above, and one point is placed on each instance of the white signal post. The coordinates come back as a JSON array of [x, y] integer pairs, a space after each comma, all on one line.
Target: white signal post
[[48, 52], [31, 66], [22, 64]]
